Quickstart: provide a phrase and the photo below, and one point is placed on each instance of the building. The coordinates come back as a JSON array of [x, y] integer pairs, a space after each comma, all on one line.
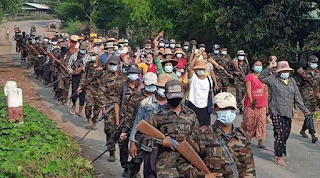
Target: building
[[34, 8]]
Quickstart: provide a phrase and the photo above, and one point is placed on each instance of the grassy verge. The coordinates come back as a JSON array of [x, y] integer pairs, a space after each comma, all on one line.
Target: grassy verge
[[37, 17], [37, 148]]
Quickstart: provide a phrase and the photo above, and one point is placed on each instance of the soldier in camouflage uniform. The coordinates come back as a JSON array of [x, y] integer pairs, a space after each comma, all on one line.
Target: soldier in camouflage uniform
[[308, 95], [109, 93], [223, 147], [92, 103], [56, 71], [31, 55], [242, 64], [37, 60], [176, 122]]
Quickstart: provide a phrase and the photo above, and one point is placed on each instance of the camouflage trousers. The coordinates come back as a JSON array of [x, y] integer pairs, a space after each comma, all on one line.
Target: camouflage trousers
[[142, 156], [31, 61], [92, 104], [124, 153], [64, 86], [110, 128], [223, 82], [240, 91]]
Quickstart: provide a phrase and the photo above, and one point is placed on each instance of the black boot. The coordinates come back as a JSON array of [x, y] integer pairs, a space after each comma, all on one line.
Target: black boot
[[126, 173], [314, 138], [303, 134], [112, 157]]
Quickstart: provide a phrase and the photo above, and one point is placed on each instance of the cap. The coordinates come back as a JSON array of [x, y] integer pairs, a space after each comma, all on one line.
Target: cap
[[83, 45], [178, 46], [133, 68], [224, 100], [193, 42], [150, 78], [313, 59], [216, 46], [173, 89], [186, 43], [163, 79], [172, 41], [202, 45], [114, 60]]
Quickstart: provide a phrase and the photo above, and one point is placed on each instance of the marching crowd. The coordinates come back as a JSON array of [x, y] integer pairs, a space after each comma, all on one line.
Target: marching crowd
[[176, 88]]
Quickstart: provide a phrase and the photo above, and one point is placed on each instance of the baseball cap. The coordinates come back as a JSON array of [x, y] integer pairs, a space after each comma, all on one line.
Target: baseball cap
[[150, 78], [114, 60], [313, 59], [173, 89], [224, 100]]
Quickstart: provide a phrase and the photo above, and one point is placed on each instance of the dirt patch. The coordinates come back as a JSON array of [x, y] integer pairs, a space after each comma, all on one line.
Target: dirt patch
[[11, 71]]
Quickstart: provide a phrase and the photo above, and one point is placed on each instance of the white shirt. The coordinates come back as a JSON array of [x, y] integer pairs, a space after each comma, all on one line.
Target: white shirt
[[199, 91]]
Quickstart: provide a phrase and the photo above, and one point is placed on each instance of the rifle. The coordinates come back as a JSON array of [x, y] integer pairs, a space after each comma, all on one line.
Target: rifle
[[236, 68], [51, 56], [37, 67], [56, 81], [210, 59], [100, 119], [29, 47], [184, 148], [304, 76]]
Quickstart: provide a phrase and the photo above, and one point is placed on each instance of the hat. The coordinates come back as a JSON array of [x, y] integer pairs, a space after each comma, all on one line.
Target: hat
[[313, 59], [108, 45], [186, 43], [241, 53], [150, 78], [173, 61], [133, 68], [200, 64], [114, 60], [173, 89], [283, 66], [193, 42], [224, 100], [121, 41], [216, 46], [179, 51], [83, 45], [202, 45], [178, 46], [148, 41], [168, 51], [172, 41], [111, 39], [161, 39], [163, 79]]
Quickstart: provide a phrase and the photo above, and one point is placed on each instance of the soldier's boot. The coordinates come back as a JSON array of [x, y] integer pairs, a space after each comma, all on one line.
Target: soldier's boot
[[112, 158], [303, 133], [126, 173], [88, 124], [314, 139]]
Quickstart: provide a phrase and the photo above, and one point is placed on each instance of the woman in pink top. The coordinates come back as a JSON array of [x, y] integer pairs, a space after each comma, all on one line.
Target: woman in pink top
[[256, 105]]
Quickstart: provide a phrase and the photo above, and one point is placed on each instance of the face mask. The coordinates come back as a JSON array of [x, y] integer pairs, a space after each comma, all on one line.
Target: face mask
[[149, 62], [285, 75], [82, 51], [201, 72], [160, 92], [133, 77], [161, 44], [150, 88], [178, 74], [174, 102], [147, 47], [116, 48], [54, 43], [241, 58], [313, 65], [224, 52], [185, 47], [257, 69], [93, 58], [121, 45], [77, 45], [166, 45], [172, 45], [226, 117], [179, 55], [204, 49], [168, 69], [37, 41], [216, 51], [113, 68]]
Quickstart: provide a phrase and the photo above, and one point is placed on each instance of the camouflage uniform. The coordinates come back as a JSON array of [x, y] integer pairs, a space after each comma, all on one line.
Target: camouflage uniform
[[56, 72], [222, 77], [109, 93], [179, 127], [239, 82], [37, 61], [209, 144], [64, 84], [31, 58], [91, 93]]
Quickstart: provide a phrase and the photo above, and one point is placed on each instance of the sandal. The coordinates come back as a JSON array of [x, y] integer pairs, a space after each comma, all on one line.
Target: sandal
[[80, 115], [72, 111], [280, 161]]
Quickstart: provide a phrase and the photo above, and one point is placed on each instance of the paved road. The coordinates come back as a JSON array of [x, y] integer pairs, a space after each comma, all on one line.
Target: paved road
[[302, 161]]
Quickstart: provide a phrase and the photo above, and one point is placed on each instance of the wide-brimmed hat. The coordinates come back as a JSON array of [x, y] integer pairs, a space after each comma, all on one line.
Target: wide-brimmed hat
[[174, 89], [108, 45], [111, 39], [83, 45], [173, 62], [168, 51], [200, 64], [241, 53], [74, 38], [283, 66], [313, 59], [163, 79], [150, 78], [133, 68], [120, 41], [225, 100], [179, 51]]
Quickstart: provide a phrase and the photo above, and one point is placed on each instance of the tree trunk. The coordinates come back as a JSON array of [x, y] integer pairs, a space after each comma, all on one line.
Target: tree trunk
[[123, 32]]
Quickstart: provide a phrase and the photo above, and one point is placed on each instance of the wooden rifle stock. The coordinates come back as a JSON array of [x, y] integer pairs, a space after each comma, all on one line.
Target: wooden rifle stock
[[214, 62], [236, 68], [51, 56], [304, 76], [184, 148], [29, 47]]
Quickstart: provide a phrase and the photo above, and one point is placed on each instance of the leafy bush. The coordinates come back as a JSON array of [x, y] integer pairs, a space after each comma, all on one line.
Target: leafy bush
[[37, 148], [73, 27]]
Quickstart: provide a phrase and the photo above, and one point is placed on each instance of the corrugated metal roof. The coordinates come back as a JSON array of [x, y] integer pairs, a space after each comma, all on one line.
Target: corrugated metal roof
[[38, 6]]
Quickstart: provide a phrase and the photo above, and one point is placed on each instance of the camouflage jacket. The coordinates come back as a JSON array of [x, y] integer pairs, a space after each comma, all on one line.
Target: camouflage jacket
[[58, 55], [179, 127], [223, 61], [210, 147], [306, 89], [244, 69], [90, 71]]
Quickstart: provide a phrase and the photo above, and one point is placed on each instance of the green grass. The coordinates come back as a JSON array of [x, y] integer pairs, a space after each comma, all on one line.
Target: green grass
[[37, 148], [37, 17]]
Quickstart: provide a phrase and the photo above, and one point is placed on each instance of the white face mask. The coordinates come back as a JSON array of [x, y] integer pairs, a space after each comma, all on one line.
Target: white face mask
[[77, 45], [179, 55], [241, 58], [216, 51], [178, 74], [185, 47], [161, 44], [224, 52], [172, 45]]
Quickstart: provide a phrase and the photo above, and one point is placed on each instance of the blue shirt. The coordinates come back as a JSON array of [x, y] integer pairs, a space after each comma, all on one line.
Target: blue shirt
[[104, 58]]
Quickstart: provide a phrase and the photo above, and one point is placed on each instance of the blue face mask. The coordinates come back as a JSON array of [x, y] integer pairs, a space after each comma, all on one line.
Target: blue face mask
[[160, 92], [201, 72], [93, 58], [257, 69], [168, 69], [226, 117], [113, 68], [150, 88], [285, 76], [133, 77], [313, 65], [82, 51]]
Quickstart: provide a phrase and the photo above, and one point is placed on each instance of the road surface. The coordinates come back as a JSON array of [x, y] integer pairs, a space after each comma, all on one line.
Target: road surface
[[302, 160]]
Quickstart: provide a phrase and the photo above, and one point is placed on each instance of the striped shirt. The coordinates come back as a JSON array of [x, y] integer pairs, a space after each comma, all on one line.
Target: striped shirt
[[283, 96], [73, 60]]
